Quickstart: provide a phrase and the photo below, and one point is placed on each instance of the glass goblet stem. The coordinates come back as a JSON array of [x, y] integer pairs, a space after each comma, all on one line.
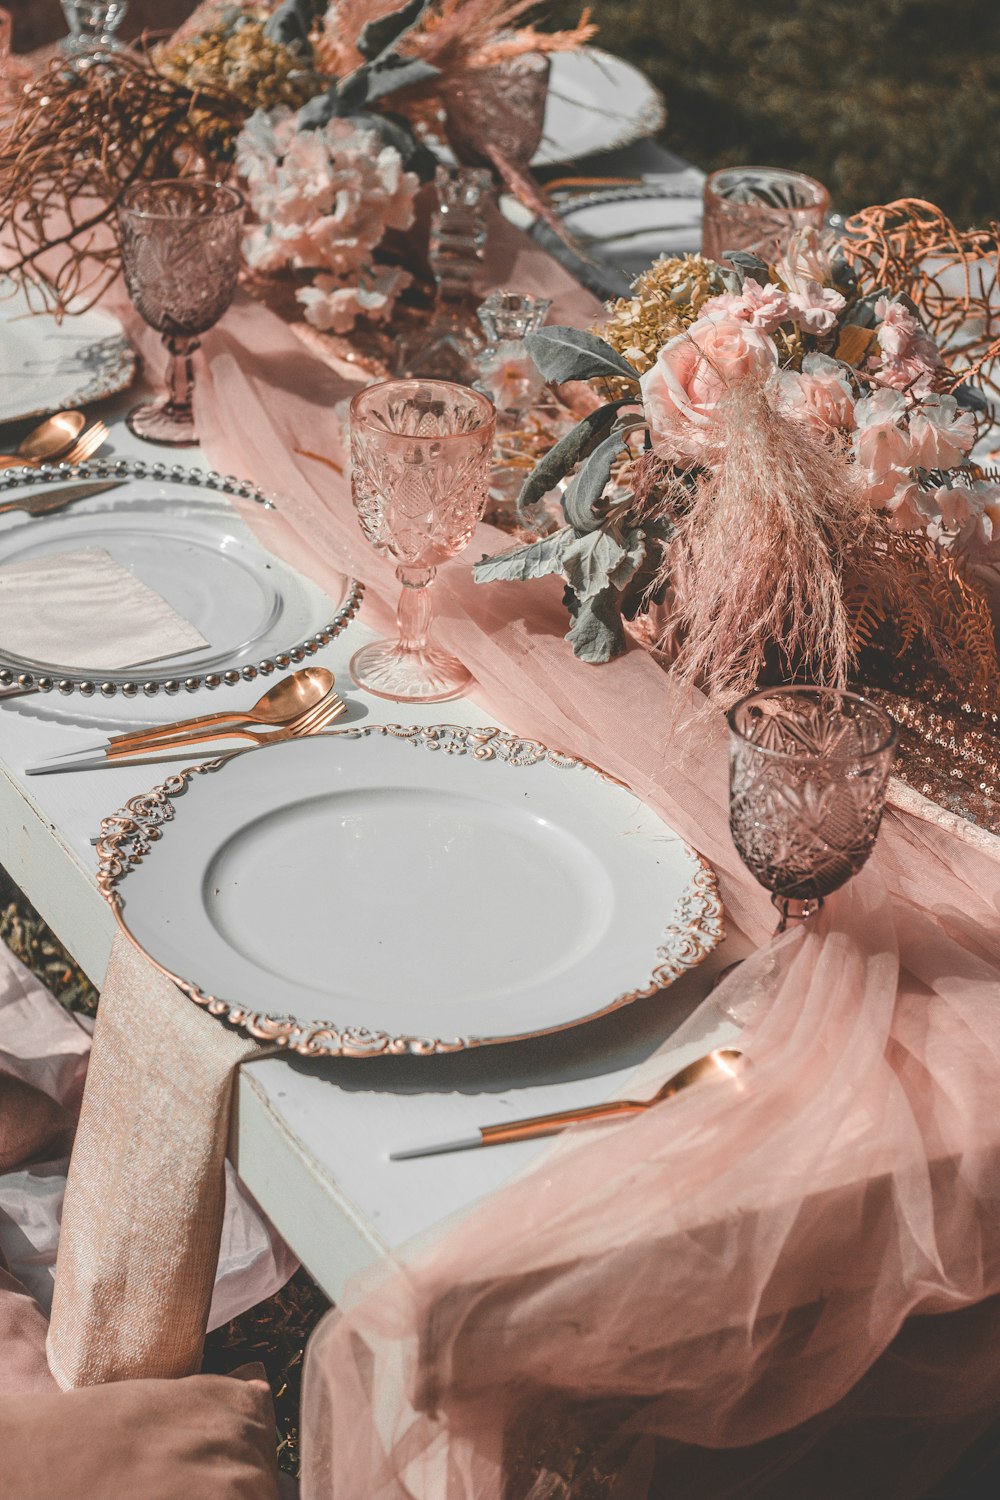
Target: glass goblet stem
[[180, 377], [415, 607], [794, 909]]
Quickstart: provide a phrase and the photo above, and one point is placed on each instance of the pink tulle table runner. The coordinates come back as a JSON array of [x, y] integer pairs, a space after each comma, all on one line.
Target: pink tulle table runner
[[710, 1275], [713, 1273]]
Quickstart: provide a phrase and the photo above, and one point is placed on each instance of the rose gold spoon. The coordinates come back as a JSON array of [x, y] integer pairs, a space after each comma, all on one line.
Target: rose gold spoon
[[50, 439], [724, 1063]]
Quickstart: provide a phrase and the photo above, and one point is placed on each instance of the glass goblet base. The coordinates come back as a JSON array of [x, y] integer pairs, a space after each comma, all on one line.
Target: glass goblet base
[[389, 670], [163, 421]]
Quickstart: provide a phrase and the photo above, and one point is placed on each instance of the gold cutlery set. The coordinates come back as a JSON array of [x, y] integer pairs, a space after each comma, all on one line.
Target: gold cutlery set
[[302, 704], [64, 438]]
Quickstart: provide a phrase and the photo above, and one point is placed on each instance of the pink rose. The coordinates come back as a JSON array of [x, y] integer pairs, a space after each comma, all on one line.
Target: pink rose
[[692, 374], [821, 395]]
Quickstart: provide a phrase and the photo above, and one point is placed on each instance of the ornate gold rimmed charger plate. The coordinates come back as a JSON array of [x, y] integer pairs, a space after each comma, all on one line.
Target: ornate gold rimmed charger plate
[[180, 531], [406, 890]]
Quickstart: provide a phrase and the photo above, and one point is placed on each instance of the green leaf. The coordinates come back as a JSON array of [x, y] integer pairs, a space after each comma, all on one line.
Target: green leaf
[[588, 486], [381, 33], [597, 633], [574, 445], [533, 561], [573, 354]]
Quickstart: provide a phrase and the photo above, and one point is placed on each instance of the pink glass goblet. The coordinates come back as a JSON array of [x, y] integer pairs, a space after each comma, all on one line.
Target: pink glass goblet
[[181, 256], [759, 209], [421, 455], [808, 772]]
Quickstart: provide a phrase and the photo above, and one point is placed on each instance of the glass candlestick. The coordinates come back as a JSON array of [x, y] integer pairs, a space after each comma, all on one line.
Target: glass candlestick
[[92, 26], [447, 347], [507, 374]]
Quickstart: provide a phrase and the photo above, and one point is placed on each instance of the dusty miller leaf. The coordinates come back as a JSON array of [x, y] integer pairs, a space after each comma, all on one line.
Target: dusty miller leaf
[[533, 561], [574, 445], [374, 80], [573, 354], [292, 22], [588, 486], [750, 267], [381, 33], [601, 560], [597, 633]]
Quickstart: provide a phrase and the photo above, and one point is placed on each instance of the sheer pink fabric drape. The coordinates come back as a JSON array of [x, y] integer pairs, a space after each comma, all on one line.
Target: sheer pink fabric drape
[[718, 1271]]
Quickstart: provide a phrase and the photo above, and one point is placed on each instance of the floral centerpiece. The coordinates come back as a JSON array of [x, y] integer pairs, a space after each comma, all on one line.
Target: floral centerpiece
[[782, 458], [317, 103]]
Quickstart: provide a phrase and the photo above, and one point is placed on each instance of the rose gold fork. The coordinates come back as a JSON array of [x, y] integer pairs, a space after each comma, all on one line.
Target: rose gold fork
[[308, 723], [87, 443]]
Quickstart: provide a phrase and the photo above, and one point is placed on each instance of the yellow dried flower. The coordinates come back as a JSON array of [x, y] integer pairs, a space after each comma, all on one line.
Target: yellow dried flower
[[242, 61], [665, 300]]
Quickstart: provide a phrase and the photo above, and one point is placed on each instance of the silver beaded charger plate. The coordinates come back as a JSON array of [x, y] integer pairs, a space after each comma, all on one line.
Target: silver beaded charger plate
[[50, 366], [389, 890], [178, 532]]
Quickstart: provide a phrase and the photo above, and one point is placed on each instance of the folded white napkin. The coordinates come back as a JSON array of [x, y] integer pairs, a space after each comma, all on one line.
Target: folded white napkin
[[85, 612]]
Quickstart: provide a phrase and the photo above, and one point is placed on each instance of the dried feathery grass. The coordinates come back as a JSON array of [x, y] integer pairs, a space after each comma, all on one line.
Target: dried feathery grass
[[951, 275], [453, 35], [79, 140], [757, 563]]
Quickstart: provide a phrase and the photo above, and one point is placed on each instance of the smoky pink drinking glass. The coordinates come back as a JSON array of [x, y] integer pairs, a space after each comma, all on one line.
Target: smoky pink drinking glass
[[759, 209], [421, 454], [181, 256], [808, 772]]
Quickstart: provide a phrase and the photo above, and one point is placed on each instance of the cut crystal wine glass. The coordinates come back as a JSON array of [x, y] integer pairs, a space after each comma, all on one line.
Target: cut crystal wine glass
[[808, 773], [420, 468], [181, 256], [759, 209]]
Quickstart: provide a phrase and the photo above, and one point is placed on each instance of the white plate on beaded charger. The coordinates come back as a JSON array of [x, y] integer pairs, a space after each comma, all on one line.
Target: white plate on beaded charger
[[49, 366], [383, 890], [177, 531]]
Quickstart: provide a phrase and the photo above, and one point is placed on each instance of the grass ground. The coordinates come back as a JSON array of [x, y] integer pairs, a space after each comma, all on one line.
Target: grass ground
[[878, 100]]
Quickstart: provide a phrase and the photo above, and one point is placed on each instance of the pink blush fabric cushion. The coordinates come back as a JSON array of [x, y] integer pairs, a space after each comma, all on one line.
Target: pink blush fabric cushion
[[208, 1437]]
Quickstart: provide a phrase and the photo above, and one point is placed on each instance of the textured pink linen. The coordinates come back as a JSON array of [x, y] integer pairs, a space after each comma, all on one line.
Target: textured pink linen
[[728, 1267]]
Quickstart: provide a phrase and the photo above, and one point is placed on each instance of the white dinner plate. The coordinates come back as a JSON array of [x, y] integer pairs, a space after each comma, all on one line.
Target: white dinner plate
[[47, 366], [596, 102], [384, 890], [176, 530]]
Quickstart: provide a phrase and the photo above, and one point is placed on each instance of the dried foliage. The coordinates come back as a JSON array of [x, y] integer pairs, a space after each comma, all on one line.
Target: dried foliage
[[259, 72], [760, 558], [79, 140], [917, 621], [912, 247], [779, 566], [452, 35]]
